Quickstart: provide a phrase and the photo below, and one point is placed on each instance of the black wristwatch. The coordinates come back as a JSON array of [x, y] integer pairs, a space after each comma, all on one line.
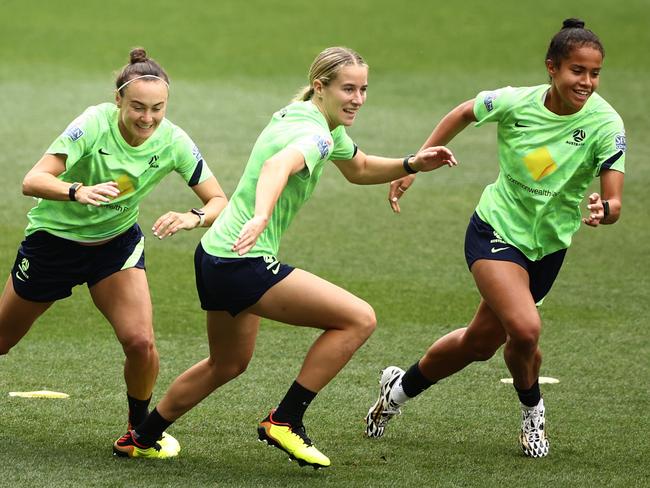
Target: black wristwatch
[[200, 214], [72, 191], [407, 166]]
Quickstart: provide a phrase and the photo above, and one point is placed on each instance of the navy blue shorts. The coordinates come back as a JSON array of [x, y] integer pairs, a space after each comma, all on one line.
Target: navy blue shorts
[[483, 242], [234, 284], [47, 267]]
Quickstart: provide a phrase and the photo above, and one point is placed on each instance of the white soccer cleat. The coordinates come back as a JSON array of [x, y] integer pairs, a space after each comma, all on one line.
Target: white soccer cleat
[[533, 440], [384, 409]]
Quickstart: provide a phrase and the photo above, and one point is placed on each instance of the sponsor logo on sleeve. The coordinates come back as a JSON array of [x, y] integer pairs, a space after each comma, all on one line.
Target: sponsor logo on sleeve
[[489, 99], [197, 154], [620, 142]]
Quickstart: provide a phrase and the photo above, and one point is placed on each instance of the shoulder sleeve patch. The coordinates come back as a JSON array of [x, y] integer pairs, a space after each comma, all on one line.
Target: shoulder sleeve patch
[[620, 142], [488, 100], [323, 145], [196, 153], [75, 130]]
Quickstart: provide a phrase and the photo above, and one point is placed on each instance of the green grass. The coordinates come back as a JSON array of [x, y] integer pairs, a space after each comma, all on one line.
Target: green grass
[[232, 64]]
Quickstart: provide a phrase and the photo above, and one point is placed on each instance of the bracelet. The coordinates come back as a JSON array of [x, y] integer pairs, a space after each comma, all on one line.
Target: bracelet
[[407, 166], [605, 208], [72, 191]]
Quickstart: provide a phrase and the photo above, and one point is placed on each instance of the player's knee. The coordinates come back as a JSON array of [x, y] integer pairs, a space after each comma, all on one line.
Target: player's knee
[[140, 345], [525, 337], [237, 369], [226, 371], [365, 322]]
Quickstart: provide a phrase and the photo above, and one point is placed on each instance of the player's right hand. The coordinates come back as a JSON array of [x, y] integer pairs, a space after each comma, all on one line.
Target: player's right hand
[[97, 194], [249, 234]]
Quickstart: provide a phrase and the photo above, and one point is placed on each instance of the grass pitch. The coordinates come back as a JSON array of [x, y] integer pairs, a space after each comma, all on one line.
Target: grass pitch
[[232, 64]]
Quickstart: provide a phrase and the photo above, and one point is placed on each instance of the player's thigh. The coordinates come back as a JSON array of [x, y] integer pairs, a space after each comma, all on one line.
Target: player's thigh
[[124, 299], [232, 339], [17, 316], [303, 298], [504, 286]]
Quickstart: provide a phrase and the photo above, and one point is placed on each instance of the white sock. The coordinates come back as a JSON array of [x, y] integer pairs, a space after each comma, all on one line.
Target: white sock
[[397, 394]]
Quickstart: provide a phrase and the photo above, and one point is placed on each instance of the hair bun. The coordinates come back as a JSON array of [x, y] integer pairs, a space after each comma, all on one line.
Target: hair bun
[[573, 24], [138, 55]]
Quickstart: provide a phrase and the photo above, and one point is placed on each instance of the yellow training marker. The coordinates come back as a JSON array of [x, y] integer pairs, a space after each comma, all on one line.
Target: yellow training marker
[[38, 394]]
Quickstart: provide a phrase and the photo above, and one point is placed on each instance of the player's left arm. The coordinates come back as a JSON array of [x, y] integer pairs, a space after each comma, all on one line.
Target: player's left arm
[[364, 169], [214, 201], [605, 207]]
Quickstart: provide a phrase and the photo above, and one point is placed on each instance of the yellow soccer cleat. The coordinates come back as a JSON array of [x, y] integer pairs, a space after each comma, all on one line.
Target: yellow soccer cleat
[[128, 446], [293, 441]]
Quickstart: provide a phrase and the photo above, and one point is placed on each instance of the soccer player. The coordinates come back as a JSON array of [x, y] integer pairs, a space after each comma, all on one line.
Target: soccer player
[[552, 141], [84, 227], [240, 279]]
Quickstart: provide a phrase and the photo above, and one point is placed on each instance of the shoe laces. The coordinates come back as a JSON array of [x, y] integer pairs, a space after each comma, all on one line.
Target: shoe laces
[[388, 412], [301, 432], [533, 420]]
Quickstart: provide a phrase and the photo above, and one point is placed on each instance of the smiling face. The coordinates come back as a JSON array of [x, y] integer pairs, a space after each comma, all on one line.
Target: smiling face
[[340, 100], [142, 109], [574, 80]]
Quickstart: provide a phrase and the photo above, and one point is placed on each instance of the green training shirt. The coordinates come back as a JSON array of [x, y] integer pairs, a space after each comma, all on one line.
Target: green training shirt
[[546, 163], [300, 126], [97, 153]]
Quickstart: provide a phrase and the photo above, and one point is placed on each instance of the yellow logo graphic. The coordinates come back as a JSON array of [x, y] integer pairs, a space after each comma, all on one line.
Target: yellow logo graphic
[[124, 184], [540, 163]]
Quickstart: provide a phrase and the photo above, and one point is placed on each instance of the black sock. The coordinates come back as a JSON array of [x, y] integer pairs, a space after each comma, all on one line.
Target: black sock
[[293, 405], [530, 397], [152, 428], [138, 410], [414, 382]]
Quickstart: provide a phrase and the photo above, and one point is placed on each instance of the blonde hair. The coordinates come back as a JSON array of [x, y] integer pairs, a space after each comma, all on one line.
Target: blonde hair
[[325, 68]]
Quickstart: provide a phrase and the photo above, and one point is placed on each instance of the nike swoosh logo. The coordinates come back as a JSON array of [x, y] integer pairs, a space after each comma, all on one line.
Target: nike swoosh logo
[[18, 276], [497, 249], [104, 153], [519, 124]]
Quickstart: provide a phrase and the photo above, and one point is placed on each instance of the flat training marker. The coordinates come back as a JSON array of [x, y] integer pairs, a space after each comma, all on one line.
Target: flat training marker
[[542, 380], [38, 394]]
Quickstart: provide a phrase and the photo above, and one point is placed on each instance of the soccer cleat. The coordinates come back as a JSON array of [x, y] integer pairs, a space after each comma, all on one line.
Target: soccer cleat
[[128, 446], [169, 443], [292, 440], [384, 408], [533, 438]]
